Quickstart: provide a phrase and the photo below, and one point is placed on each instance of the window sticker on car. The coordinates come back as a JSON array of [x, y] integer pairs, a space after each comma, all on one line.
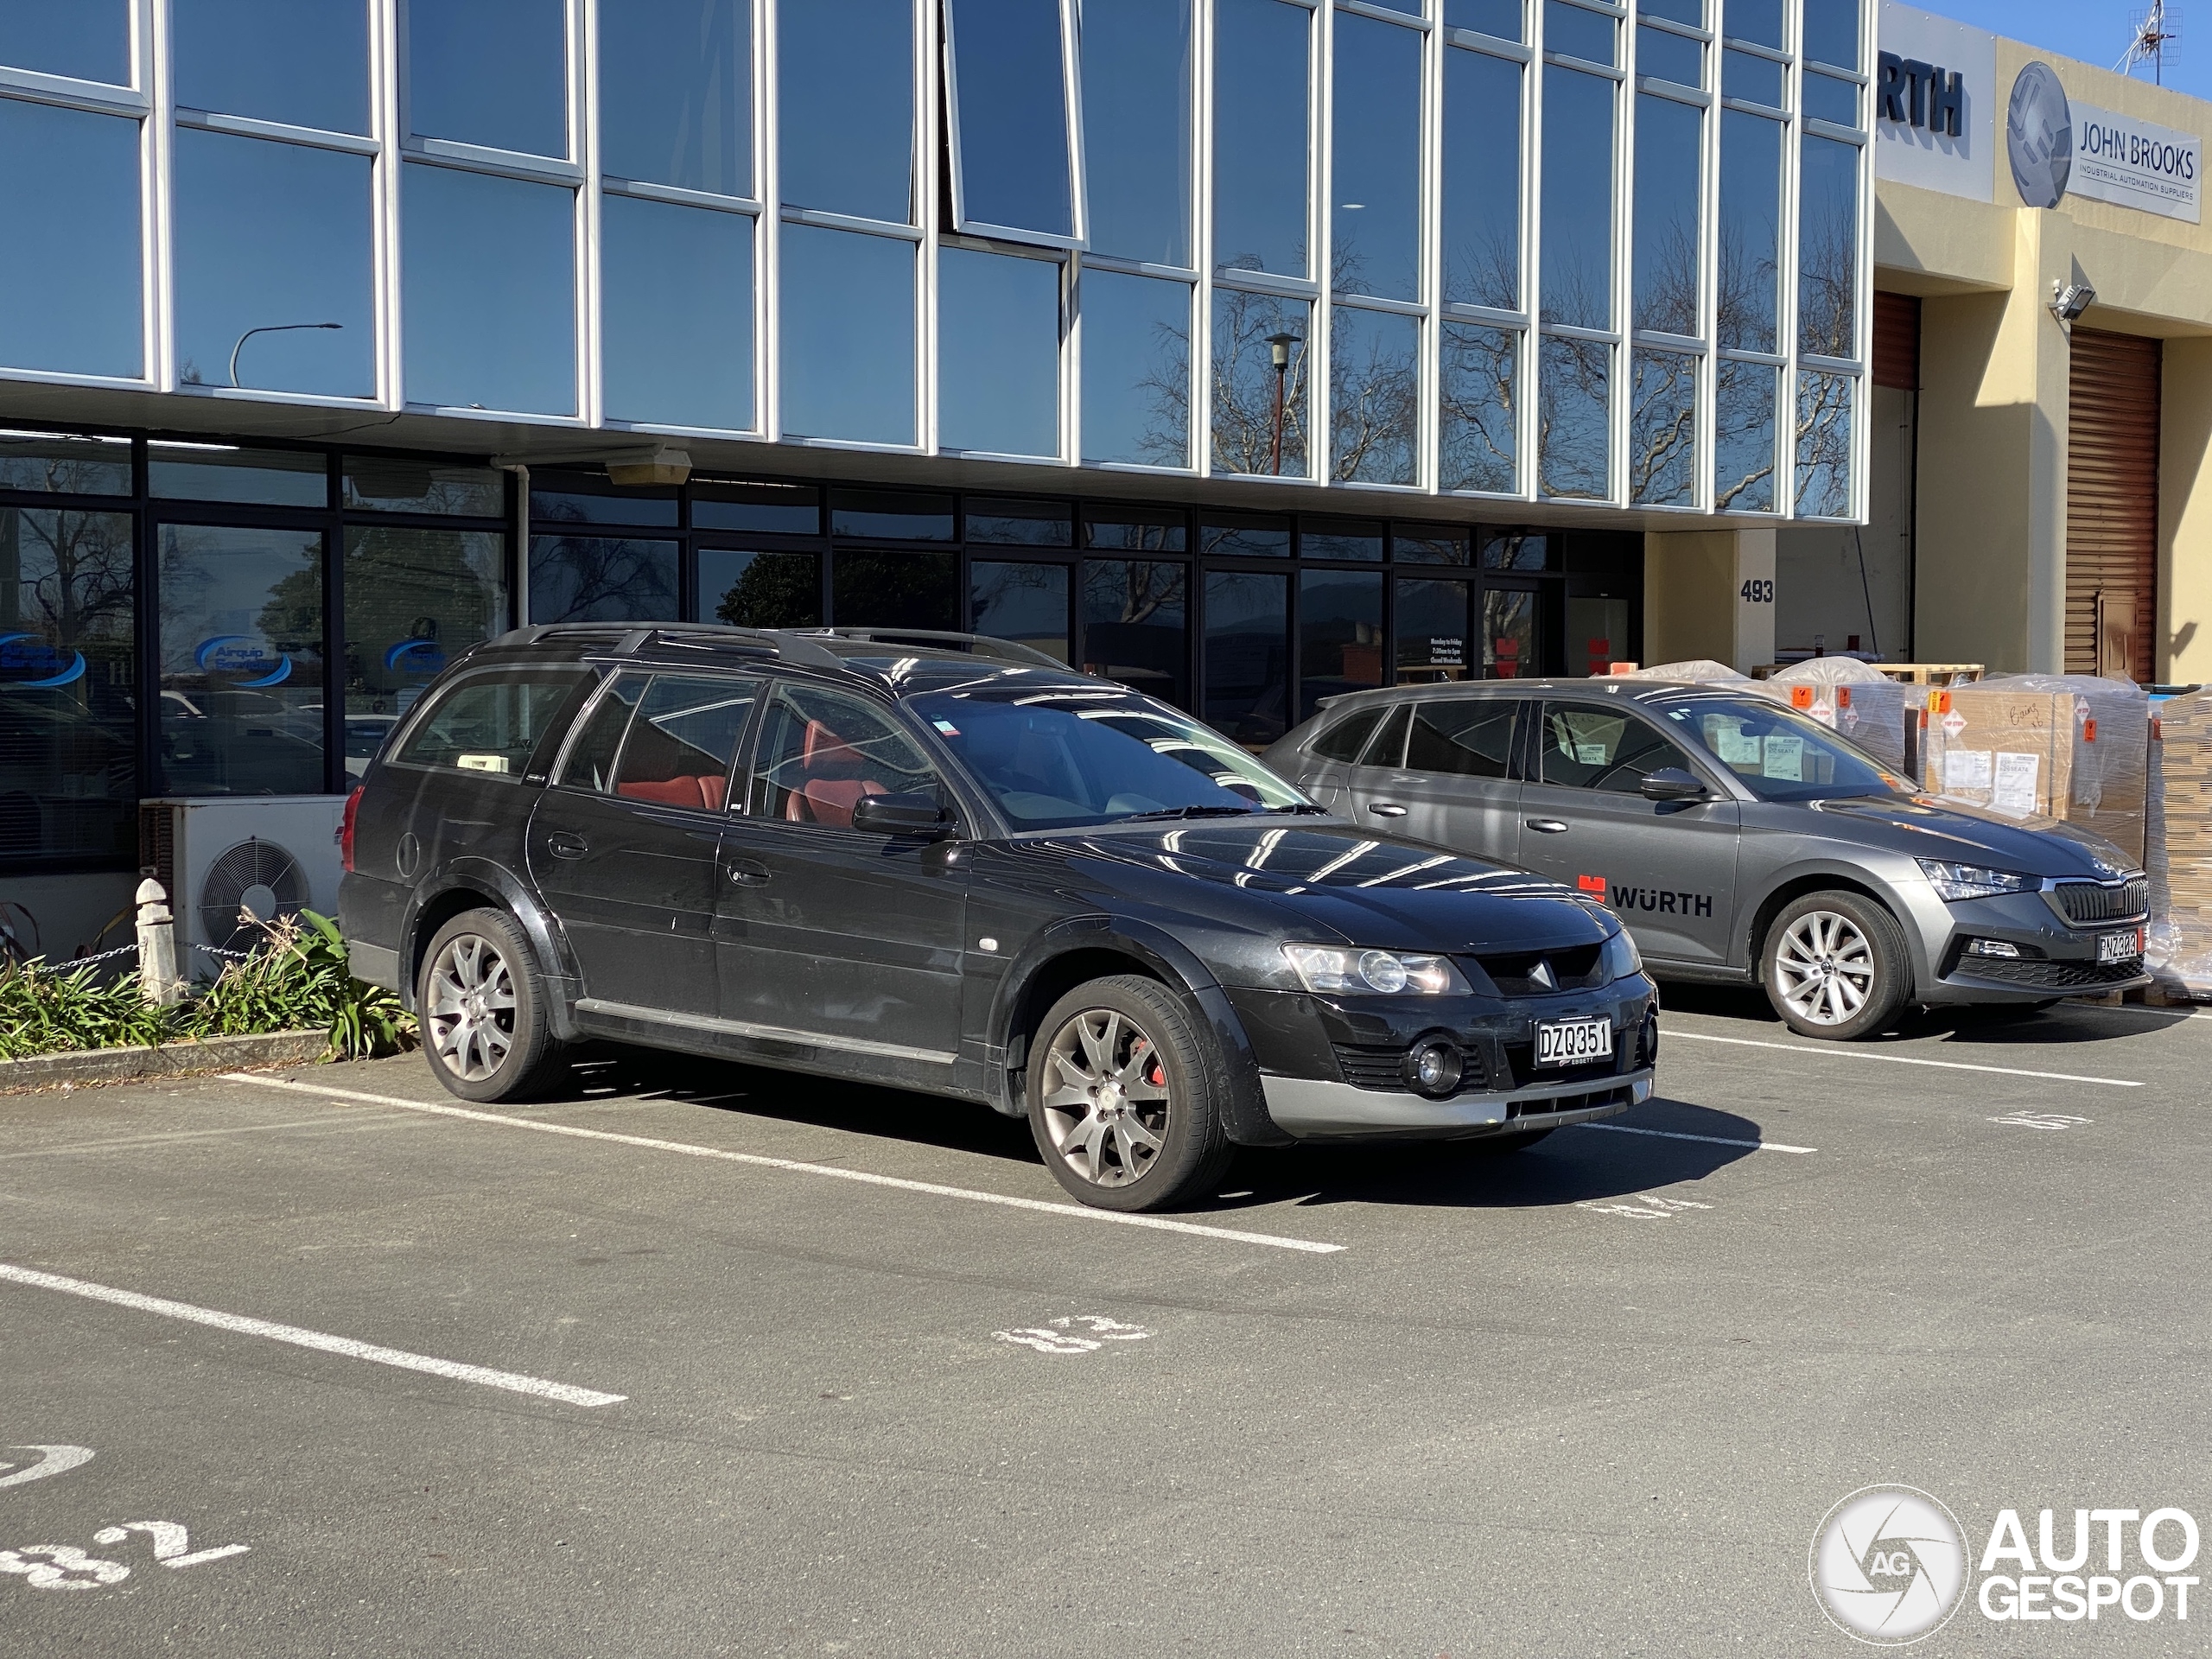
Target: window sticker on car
[[1735, 746], [1590, 754], [1785, 759], [946, 727]]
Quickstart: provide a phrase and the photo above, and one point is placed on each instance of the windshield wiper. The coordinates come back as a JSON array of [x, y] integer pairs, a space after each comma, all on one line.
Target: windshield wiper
[[1192, 812]]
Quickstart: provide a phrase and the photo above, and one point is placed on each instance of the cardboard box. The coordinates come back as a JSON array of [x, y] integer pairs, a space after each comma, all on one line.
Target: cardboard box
[[2055, 745], [2178, 845], [1852, 698]]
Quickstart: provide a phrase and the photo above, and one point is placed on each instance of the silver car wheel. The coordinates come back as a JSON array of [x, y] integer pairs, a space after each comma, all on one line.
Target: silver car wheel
[[470, 1013], [1824, 968], [1108, 1103]]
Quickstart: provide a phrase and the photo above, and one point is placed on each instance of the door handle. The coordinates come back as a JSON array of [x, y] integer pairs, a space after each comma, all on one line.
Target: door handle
[[746, 874], [1388, 809], [563, 844], [1548, 826]]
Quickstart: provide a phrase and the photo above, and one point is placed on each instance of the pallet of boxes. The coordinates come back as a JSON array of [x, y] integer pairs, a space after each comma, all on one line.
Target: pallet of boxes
[[2178, 852], [1857, 700]]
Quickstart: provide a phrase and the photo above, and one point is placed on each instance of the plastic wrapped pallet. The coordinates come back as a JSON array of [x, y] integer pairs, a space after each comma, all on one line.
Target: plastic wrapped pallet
[[2060, 745], [1701, 672], [1856, 699], [2178, 847]]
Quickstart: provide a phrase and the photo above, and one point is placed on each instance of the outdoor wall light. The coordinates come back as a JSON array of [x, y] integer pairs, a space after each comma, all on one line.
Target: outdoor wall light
[[2069, 299]]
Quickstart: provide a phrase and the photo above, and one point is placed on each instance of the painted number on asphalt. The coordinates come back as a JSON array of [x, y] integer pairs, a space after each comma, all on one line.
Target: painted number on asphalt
[[1062, 1335], [50, 1460], [64, 1567], [2024, 1120], [1644, 1207]]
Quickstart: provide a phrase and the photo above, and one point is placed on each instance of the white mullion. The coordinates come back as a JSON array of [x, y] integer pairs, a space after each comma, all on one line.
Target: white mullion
[[150, 33], [1071, 341], [1320, 237], [1785, 414], [1199, 396], [583, 144], [1623, 277], [1706, 387], [927, 62], [1532, 218], [767, 228], [383, 196], [1428, 353], [1071, 102], [1862, 412]]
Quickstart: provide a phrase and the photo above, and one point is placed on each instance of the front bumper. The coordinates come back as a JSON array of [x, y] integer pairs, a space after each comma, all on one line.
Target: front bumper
[[1311, 1109], [2056, 959]]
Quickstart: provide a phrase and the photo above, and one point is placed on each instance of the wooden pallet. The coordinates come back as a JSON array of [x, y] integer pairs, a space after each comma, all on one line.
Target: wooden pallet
[[1931, 673]]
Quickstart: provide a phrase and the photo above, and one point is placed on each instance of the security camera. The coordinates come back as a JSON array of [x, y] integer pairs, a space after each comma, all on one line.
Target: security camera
[[2071, 300]]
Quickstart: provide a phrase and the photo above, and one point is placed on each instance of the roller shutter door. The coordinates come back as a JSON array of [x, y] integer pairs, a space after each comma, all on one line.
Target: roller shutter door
[[2111, 505]]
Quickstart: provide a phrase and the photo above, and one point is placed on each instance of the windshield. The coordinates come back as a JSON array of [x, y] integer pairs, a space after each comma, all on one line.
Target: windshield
[[1779, 754], [1052, 759]]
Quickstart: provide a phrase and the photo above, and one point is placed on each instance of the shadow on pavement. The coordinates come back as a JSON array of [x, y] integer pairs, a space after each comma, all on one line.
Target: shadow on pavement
[[1998, 1026]]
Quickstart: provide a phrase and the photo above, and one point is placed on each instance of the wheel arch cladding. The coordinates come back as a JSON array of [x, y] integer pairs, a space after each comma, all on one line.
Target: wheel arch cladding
[[438, 902]]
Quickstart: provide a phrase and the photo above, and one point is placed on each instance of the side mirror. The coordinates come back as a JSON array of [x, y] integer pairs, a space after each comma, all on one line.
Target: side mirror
[[902, 815], [1671, 784]]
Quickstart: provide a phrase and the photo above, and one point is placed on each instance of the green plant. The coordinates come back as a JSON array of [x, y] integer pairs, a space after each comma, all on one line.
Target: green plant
[[45, 1010], [298, 980]]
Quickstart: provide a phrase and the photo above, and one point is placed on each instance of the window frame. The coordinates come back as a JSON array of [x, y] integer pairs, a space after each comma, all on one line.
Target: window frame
[[565, 722], [1078, 237]]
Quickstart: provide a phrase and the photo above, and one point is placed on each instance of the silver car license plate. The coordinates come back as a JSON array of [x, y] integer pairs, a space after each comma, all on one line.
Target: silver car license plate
[[2123, 946], [1573, 1042]]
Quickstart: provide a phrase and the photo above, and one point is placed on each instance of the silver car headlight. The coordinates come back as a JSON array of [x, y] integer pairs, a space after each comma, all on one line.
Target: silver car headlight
[[1620, 958], [1956, 881], [1374, 973]]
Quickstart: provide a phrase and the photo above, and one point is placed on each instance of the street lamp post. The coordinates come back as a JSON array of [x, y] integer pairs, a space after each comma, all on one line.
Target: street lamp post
[[269, 328], [1281, 345]]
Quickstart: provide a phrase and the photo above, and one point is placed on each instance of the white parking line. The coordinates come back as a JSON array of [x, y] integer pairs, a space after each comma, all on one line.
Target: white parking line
[[1077, 1211], [511, 1380], [1710, 1140], [1842, 1053]]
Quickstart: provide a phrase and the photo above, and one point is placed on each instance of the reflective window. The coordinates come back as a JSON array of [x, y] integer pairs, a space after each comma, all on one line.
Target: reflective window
[[1136, 370], [1482, 181], [845, 84], [60, 464], [1759, 20], [87, 40], [1662, 429], [1434, 632], [241, 656], [268, 238], [1510, 648], [900, 590], [998, 334], [1824, 409], [1751, 229], [821, 751], [1667, 56], [1743, 438], [490, 722], [301, 61], [680, 745], [489, 72], [675, 93], [1428, 544], [1247, 656], [1374, 396], [1010, 155], [68, 693], [1340, 538], [489, 280], [1665, 252], [1478, 442], [587, 498], [1462, 737], [1027, 603], [1829, 33], [222, 472], [676, 313], [787, 509], [1260, 56], [1137, 624], [1138, 530], [1518, 549], [71, 182], [1345, 739], [1571, 416], [602, 579], [1575, 33], [842, 381], [590, 763], [405, 484], [415, 599], [1499, 17], [1827, 99], [1339, 635], [1137, 130], [1576, 284], [1020, 524], [1682, 11], [1377, 212], [1753, 78], [1828, 247], [1259, 404], [882, 514], [760, 590], [1240, 535], [1601, 748]]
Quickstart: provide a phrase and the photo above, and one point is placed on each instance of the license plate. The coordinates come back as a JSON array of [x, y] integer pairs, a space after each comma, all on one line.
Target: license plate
[[2124, 946], [1573, 1042]]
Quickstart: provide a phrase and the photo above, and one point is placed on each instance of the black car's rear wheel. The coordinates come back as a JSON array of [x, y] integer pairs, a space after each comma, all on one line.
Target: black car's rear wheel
[[1123, 1100], [482, 1006], [1835, 966]]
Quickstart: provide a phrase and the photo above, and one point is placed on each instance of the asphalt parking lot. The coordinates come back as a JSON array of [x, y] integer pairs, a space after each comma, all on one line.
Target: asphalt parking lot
[[742, 1364]]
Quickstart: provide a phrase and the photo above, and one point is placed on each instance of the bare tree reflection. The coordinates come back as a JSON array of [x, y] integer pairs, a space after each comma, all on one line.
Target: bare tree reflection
[[1243, 400]]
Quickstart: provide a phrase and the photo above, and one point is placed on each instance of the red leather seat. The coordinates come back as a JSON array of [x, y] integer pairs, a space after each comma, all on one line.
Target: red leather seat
[[706, 792], [831, 782]]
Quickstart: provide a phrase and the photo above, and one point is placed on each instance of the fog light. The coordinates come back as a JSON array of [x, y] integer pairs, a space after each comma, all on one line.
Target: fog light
[[1993, 948], [1433, 1067]]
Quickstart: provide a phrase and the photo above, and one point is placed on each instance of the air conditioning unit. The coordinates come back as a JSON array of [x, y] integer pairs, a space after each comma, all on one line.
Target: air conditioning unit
[[229, 860]]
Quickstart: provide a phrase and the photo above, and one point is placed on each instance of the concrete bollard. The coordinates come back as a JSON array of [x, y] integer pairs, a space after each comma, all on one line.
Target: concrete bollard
[[157, 977]]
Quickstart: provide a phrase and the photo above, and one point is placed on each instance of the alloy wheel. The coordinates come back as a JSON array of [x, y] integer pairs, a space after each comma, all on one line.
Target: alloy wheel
[[1108, 1103], [1824, 968], [470, 1012]]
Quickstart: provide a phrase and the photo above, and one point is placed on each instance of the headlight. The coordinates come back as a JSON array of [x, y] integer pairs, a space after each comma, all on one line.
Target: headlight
[[1620, 958], [1956, 881], [1386, 973]]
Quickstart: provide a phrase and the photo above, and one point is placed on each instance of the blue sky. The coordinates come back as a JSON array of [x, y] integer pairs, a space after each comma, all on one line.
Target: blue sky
[[2095, 33]]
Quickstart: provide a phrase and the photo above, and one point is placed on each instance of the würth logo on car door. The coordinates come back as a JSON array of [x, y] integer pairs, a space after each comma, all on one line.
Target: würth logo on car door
[[1666, 904]]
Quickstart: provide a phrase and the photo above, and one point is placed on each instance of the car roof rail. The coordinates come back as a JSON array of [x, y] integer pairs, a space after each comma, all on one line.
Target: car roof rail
[[627, 639], [976, 644]]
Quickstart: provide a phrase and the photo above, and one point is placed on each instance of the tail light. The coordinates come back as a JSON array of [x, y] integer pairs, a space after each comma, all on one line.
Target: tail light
[[345, 832]]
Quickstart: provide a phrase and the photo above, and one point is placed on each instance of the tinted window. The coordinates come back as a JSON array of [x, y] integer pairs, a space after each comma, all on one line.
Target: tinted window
[[821, 752], [1343, 740], [1782, 756], [680, 745], [492, 722], [590, 764], [304, 61], [1389, 748], [1465, 737], [675, 93], [1602, 748]]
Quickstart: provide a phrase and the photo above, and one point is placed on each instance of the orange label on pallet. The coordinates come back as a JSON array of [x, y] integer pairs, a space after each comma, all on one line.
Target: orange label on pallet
[[1939, 703], [1843, 696], [1801, 697], [2088, 731]]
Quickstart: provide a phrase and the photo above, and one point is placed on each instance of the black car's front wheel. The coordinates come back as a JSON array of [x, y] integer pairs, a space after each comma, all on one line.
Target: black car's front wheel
[[1835, 966], [1124, 1101]]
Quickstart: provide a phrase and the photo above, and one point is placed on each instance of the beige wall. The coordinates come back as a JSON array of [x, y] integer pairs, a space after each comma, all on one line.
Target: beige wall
[[2184, 637], [1694, 596]]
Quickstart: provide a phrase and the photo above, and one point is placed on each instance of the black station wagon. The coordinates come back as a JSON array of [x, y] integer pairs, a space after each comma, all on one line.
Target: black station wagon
[[951, 864]]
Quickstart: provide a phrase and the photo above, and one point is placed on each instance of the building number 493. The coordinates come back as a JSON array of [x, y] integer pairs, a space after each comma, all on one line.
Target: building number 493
[[1758, 590]]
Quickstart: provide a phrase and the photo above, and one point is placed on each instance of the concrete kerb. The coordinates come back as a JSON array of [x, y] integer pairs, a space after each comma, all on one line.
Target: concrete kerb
[[177, 1059]]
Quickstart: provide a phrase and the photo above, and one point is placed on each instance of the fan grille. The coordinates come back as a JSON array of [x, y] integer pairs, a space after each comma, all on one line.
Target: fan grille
[[253, 864]]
